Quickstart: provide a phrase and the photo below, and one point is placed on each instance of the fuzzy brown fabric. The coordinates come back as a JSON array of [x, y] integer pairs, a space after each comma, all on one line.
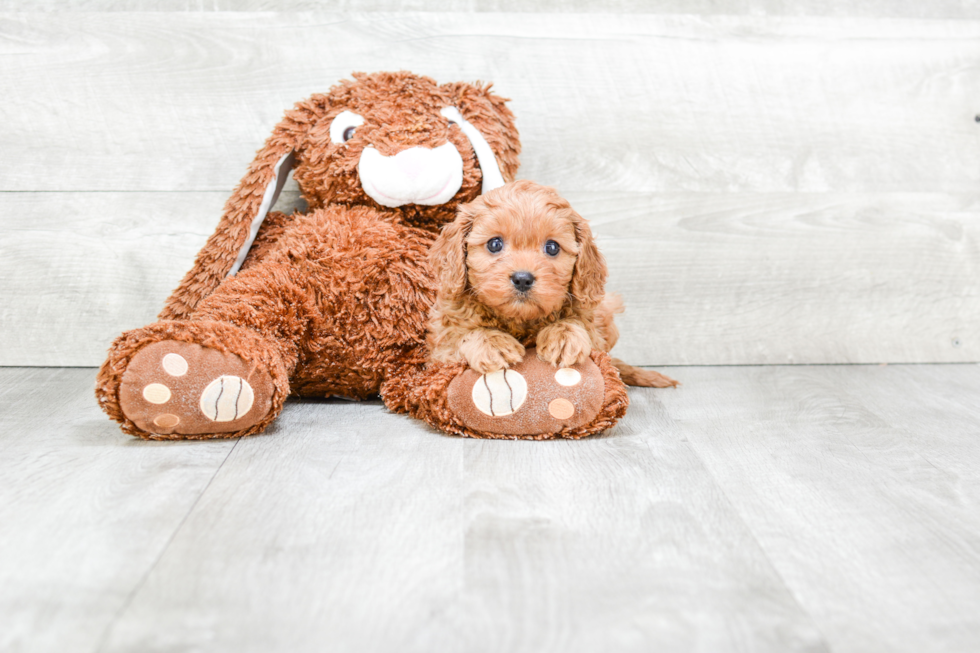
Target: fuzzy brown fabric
[[225, 338], [333, 301], [401, 110], [172, 386], [424, 393], [531, 400]]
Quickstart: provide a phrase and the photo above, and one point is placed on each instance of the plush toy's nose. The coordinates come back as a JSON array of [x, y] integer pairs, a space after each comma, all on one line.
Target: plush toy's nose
[[522, 280], [411, 162]]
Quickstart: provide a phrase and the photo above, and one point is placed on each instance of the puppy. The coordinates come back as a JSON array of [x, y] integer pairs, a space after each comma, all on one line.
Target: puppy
[[517, 268]]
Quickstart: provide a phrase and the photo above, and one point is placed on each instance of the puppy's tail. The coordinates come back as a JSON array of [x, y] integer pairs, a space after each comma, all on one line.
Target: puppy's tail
[[645, 378], [612, 304]]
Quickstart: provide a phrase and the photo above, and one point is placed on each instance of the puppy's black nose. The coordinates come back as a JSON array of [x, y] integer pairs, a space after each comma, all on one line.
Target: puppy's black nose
[[522, 281]]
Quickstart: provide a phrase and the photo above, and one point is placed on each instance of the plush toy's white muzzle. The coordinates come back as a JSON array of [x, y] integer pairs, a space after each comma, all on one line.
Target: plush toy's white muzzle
[[418, 175], [422, 175]]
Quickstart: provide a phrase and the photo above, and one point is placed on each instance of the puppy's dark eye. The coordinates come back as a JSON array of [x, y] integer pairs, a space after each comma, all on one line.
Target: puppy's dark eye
[[551, 248], [495, 244], [349, 133]]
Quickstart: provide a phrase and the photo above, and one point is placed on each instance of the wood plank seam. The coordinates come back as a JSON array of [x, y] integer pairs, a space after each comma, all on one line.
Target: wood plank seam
[[103, 640], [734, 510]]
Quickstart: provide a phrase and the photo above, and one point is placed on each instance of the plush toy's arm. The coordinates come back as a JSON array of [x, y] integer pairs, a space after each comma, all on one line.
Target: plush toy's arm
[[273, 226]]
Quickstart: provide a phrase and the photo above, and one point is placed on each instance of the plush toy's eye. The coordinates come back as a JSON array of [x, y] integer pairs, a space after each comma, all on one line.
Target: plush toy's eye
[[343, 126], [495, 244], [551, 248]]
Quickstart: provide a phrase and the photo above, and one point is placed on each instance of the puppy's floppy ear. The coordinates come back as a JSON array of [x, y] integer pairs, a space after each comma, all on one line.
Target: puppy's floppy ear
[[589, 275], [447, 257], [489, 114], [244, 211]]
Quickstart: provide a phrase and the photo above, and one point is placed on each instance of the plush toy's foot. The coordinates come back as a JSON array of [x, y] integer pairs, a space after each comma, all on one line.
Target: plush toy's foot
[[531, 400], [179, 389]]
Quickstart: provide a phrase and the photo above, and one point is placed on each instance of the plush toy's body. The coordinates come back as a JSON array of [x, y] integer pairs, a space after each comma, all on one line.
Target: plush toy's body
[[333, 301], [331, 309]]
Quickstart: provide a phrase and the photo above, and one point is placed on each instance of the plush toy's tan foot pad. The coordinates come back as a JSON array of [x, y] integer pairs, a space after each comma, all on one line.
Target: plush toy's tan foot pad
[[531, 398], [180, 387]]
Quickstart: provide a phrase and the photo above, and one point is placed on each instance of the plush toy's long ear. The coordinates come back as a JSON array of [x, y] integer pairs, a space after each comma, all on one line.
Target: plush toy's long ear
[[224, 252], [447, 256], [488, 114], [589, 275]]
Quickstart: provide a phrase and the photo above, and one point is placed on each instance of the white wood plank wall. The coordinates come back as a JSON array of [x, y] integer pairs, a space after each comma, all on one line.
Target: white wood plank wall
[[847, 8], [779, 183]]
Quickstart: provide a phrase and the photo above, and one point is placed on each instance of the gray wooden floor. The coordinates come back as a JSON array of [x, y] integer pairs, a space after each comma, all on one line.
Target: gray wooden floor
[[753, 509]]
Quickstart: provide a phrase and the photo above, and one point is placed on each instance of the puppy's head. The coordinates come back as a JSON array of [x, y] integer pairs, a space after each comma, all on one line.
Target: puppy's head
[[522, 251]]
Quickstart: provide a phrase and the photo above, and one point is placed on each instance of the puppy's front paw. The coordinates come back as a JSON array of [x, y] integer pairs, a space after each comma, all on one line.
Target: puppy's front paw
[[564, 344], [487, 351]]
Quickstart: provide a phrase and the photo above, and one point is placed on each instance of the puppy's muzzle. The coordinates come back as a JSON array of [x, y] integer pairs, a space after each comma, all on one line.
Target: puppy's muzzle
[[522, 281]]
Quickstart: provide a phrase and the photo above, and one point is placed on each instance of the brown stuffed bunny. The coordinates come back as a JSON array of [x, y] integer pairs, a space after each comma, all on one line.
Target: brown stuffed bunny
[[333, 301]]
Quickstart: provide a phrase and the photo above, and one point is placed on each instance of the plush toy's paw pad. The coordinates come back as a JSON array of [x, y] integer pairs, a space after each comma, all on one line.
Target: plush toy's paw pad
[[499, 393], [226, 398], [530, 398], [179, 387]]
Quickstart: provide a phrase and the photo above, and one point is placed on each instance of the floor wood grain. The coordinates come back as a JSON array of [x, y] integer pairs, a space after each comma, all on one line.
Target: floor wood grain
[[784, 509], [861, 485], [475, 546], [85, 511]]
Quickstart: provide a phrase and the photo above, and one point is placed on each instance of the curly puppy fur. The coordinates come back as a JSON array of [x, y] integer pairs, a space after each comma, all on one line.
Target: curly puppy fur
[[519, 267]]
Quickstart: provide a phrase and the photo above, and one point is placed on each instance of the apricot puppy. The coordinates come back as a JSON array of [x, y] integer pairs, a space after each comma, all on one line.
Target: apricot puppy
[[517, 268]]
